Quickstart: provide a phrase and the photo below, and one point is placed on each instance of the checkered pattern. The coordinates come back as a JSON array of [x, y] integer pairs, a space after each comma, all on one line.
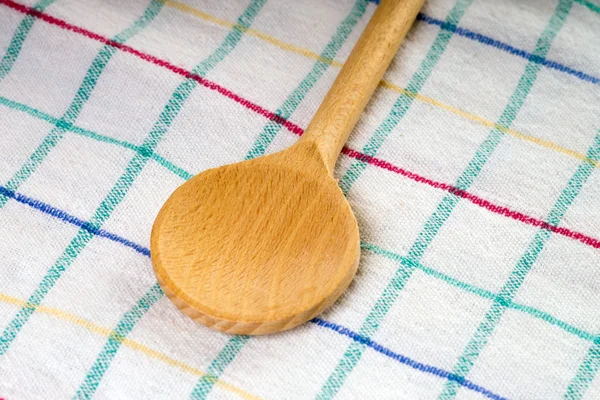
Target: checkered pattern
[[473, 175]]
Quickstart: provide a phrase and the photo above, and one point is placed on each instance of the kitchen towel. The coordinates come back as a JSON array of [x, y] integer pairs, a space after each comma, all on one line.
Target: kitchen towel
[[473, 173]]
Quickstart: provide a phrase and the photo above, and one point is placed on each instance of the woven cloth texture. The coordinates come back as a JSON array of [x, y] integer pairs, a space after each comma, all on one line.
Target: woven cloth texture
[[473, 174]]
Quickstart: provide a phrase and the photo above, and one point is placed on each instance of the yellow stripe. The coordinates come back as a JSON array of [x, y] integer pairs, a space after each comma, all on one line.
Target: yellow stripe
[[197, 13], [290, 47], [385, 84], [106, 332], [252, 32], [488, 123]]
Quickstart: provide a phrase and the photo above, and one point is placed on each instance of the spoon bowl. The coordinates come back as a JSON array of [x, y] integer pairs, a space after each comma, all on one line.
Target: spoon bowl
[[266, 244], [258, 246]]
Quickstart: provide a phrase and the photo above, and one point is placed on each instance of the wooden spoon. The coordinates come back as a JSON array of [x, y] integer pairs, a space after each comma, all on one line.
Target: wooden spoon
[[264, 245]]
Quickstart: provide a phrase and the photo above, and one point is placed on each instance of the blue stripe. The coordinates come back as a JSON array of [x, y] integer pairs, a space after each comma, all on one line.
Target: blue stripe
[[70, 219], [518, 275], [428, 369], [483, 39], [170, 111]]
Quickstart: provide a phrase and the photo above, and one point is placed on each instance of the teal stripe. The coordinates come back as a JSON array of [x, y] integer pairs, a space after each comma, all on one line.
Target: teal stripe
[[553, 320], [231, 349], [439, 217], [499, 306], [591, 6], [404, 101], [585, 373], [117, 336], [517, 276], [486, 294], [398, 111], [170, 111], [366, 246], [83, 236], [217, 367], [16, 43], [297, 96], [429, 271], [81, 97], [93, 135]]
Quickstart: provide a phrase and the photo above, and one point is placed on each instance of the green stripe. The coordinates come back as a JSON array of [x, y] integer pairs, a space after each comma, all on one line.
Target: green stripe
[[117, 336], [435, 222], [429, 271], [486, 294], [585, 373], [170, 111], [81, 97], [83, 236], [366, 246], [499, 306], [517, 276], [404, 101], [297, 96], [229, 352], [398, 111], [222, 361], [589, 5], [93, 135], [534, 312], [16, 43]]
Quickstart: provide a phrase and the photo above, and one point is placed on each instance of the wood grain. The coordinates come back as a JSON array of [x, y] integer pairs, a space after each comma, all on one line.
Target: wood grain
[[358, 79], [266, 244], [258, 246]]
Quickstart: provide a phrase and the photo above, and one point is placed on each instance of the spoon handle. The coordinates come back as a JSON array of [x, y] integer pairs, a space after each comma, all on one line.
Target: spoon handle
[[356, 82]]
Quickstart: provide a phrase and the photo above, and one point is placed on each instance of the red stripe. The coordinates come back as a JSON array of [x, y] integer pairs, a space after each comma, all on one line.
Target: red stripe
[[516, 215], [505, 211], [157, 61]]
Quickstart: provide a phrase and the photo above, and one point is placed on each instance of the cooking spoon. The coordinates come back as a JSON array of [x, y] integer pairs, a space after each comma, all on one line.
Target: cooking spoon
[[266, 244]]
